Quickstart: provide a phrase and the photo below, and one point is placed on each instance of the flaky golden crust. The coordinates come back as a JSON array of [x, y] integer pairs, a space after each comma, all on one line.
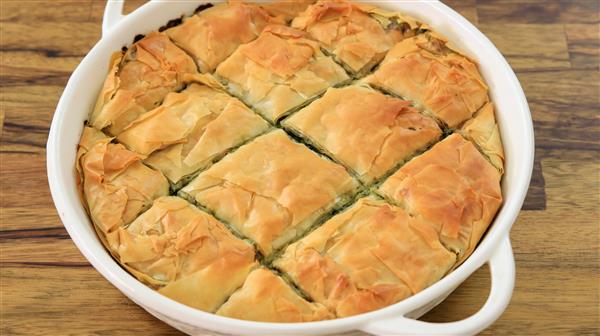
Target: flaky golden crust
[[191, 128], [185, 252], [285, 10], [115, 184], [370, 256], [279, 71], [213, 34], [483, 131], [265, 297], [452, 187], [366, 130], [446, 84], [352, 33], [139, 80], [271, 189]]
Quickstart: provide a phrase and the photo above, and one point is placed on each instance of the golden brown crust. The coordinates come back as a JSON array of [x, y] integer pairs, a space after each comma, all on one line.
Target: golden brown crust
[[175, 245], [213, 34], [271, 189], [452, 187], [370, 256], [484, 132], [352, 33], [139, 80], [115, 184], [446, 84], [279, 71], [265, 297], [366, 130], [285, 10], [191, 128]]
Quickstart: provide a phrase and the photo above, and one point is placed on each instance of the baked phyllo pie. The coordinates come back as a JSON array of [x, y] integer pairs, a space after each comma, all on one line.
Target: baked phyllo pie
[[213, 34], [272, 189], [116, 186], [367, 257], [185, 253], [443, 83], [279, 71], [138, 81], [358, 35], [266, 297], [453, 188], [235, 163], [367, 131], [190, 129]]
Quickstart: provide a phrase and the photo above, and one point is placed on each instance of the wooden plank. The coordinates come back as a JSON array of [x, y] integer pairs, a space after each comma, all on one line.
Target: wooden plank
[[466, 8], [530, 46], [28, 218], [565, 106], [70, 300], [37, 10], [51, 247], [24, 182], [539, 11], [584, 45]]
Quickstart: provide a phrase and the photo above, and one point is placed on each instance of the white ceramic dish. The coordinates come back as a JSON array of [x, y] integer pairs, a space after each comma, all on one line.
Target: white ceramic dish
[[516, 128]]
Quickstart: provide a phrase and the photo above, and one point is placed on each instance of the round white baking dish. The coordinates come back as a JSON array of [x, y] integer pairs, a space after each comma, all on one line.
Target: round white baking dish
[[516, 128]]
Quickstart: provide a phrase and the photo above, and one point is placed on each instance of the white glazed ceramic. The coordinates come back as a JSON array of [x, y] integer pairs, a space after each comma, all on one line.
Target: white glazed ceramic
[[516, 128]]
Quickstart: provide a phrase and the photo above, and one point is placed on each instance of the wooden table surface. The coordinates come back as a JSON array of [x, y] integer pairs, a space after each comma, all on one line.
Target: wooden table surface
[[48, 287]]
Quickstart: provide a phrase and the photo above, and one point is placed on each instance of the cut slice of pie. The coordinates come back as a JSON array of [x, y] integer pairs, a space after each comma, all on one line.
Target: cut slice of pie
[[367, 257], [190, 129], [265, 297], [116, 186], [483, 131], [186, 253], [453, 188], [272, 189], [357, 35], [213, 34], [279, 72], [138, 81], [365, 130], [444, 83]]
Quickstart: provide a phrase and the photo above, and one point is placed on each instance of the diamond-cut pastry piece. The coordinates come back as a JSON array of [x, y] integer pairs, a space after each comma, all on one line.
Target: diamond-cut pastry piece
[[483, 131], [139, 80], [214, 33], [357, 35], [190, 129], [453, 188], [115, 184], [367, 131], [444, 83], [265, 297], [189, 255], [271, 189], [367, 257], [279, 71]]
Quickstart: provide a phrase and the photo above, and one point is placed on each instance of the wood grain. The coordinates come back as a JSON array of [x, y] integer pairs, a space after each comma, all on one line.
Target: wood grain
[[48, 288]]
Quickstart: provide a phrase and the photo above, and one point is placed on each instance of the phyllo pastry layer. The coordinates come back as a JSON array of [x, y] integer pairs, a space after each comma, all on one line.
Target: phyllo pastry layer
[[367, 257], [357, 35], [271, 189], [483, 131], [367, 131], [453, 188], [116, 186], [214, 33], [265, 297], [446, 84], [184, 252], [190, 129], [139, 80], [279, 71]]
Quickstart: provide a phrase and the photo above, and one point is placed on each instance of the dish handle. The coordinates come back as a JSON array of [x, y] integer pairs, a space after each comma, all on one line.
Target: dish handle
[[113, 13], [502, 269]]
